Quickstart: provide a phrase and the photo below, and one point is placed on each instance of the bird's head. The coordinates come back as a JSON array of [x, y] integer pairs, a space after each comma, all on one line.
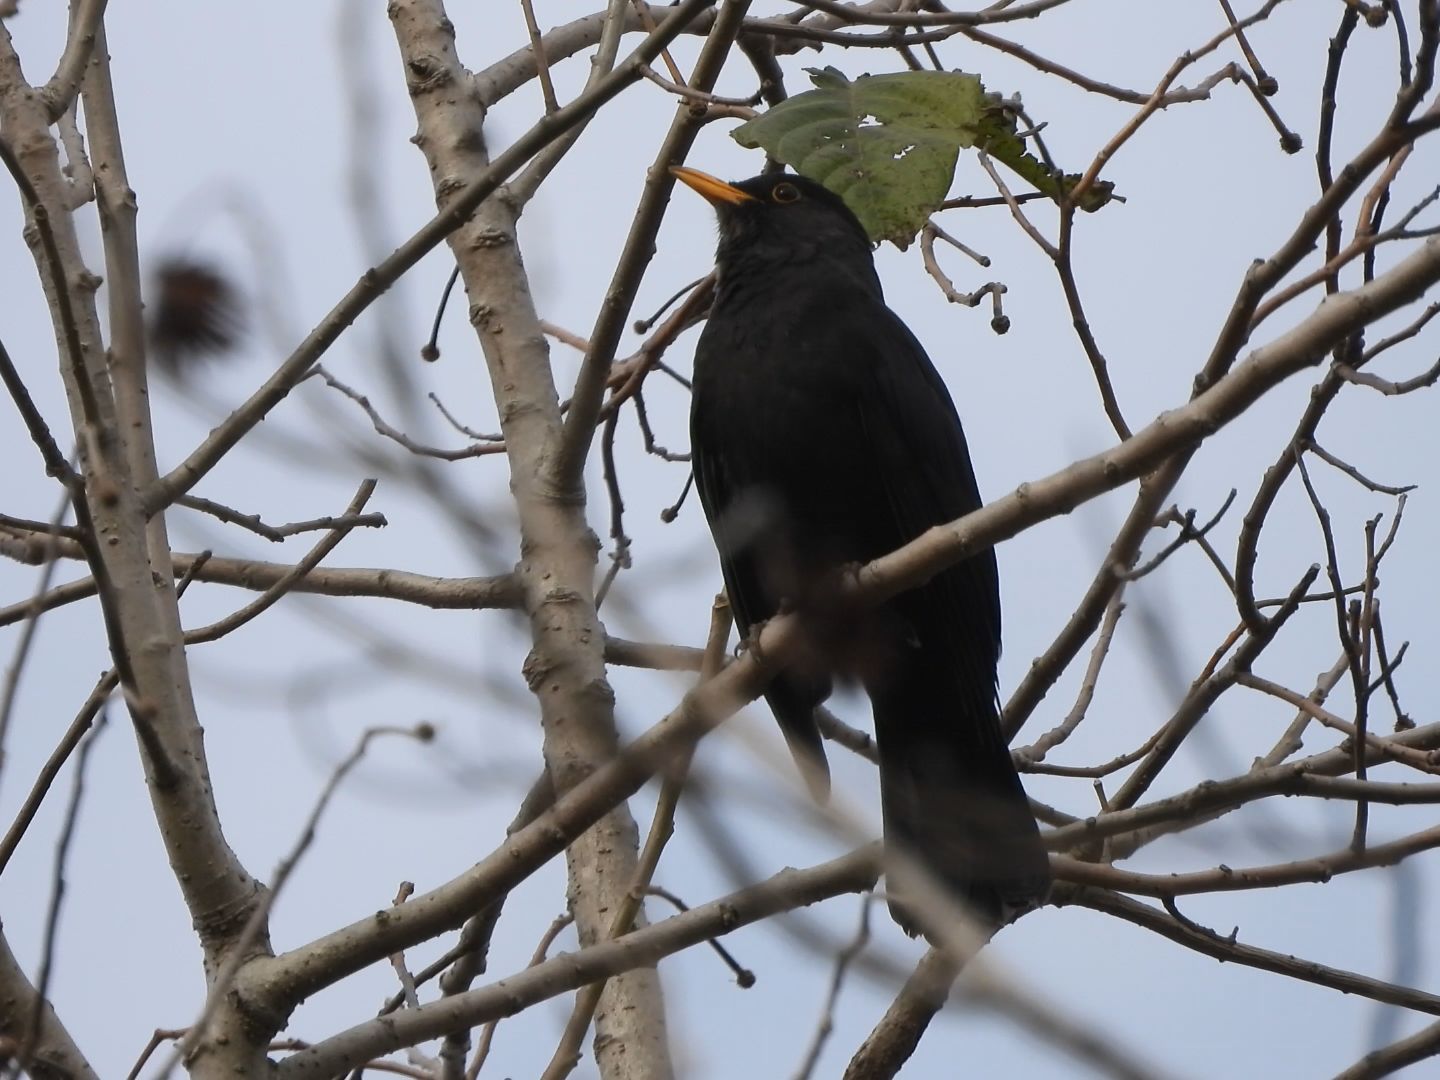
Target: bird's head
[[781, 219]]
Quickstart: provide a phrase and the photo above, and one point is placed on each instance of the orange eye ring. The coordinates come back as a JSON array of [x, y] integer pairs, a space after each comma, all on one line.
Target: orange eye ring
[[785, 192]]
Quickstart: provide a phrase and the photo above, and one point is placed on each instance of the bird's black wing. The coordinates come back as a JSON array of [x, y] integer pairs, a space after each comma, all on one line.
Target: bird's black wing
[[722, 480], [913, 434]]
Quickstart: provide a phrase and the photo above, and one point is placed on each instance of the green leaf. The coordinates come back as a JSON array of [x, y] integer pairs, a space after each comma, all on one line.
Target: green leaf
[[887, 144]]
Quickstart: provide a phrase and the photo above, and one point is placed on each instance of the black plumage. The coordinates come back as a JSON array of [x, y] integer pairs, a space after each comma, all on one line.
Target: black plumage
[[823, 436]]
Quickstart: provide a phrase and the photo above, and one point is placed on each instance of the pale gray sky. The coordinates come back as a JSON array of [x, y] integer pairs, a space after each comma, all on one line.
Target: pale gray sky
[[226, 106]]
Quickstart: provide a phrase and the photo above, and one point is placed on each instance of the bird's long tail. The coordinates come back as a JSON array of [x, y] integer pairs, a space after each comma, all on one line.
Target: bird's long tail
[[952, 801]]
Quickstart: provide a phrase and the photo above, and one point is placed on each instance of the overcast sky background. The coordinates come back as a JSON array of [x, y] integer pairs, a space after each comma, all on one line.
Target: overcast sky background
[[246, 130]]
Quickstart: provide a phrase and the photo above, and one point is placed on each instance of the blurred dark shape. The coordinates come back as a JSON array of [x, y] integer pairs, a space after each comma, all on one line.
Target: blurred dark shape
[[196, 313]]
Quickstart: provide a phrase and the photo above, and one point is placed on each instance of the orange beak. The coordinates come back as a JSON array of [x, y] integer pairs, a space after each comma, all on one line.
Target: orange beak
[[717, 192]]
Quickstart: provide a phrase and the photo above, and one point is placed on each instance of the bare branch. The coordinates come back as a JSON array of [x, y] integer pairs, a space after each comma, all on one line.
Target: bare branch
[[1228, 950], [1036, 751], [394, 434], [843, 960], [788, 889], [32, 610], [1158, 96], [60, 91], [498, 591], [590, 384], [662, 827], [327, 544], [51, 769], [194, 1041], [1319, 869], [376, 280], [35, 1023], [1424, 1044], [54, 1054], [899, 1031]]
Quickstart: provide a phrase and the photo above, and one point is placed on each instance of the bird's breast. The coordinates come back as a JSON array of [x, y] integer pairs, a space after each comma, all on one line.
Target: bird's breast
[[776, 410]]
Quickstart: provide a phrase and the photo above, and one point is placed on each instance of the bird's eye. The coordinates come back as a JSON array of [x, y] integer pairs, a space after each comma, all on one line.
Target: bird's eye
[[785, 193]]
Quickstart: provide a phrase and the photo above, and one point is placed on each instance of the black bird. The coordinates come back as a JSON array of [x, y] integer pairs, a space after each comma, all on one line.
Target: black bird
[[822, 436]]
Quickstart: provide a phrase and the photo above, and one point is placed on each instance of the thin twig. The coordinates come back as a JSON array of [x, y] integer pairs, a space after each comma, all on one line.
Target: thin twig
[[313, 557], [542, 63], [1188, 533], [34, 608], [1354, 473], [1226, 949], [1099, 366], [568, 463], [57, 896], [254, 926], [394, 434], [542, 950], [1158, 96], [94, 704], [843, 959], [1422, 760], [1036, 751]]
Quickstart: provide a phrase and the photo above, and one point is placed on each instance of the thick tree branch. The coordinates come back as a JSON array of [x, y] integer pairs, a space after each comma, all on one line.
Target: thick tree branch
[[59, 93], [462, 593], [566, 665], [1175, 432], [53, 1054], [894, 1039], [108, 414], [219, 893], [786, 891]]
